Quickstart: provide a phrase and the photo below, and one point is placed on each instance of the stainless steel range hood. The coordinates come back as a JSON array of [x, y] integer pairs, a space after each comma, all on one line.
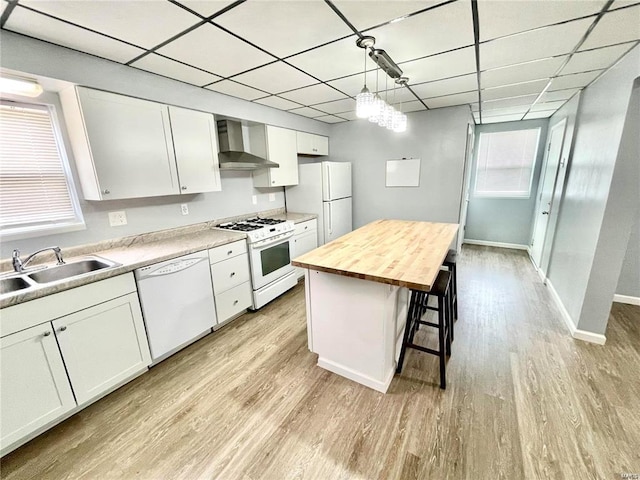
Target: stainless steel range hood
[[233, 155]]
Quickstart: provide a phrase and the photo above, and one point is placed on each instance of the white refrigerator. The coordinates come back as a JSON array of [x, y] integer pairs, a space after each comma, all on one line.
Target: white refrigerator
[[324, 189]]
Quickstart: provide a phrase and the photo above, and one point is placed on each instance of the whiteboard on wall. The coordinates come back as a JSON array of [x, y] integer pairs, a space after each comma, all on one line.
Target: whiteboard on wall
[[403, 173]]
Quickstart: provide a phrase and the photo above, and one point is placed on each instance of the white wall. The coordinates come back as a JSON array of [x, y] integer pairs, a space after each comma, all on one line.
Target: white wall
[[629, 281], [35, 57], [437, 137]]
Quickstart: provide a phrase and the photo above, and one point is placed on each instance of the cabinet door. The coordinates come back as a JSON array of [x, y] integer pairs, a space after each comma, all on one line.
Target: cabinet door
[[282, 149], [302, 244], [103, 346], [320, 145], [304, 143], [34, 385], [196, 149], [130, 143]]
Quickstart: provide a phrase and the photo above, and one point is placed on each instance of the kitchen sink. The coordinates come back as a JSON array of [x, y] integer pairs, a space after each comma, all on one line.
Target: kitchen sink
[[9, 285], [71, 270]]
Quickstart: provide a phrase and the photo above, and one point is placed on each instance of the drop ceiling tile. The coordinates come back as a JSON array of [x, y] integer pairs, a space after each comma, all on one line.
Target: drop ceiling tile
[[520, 109], [352, 84], [622, 25], [307, 112], [475, 107], [206, 8], [526, 88], [537, 44], [414, 106], [451, 100], [505, 17], [277, 102], [536, 115], [339, 106], [330, 119], [444, 28], [508, 102], [447, 87], [558, 95], [229, 87], [351, 116], [142, 23], [501, 118], [3, 5], [275, 78], [236, 56], [50, 30], [401, 95], [314, 94], [337, 59], [172, 69], [539, 107], [284, 27], [451, 64], [476, 117], [522, 72], [600, 58], [575, 80], [376, 12]]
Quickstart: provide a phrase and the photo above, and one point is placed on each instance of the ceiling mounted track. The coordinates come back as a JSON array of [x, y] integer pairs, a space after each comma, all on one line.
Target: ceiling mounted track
[[385, 62]]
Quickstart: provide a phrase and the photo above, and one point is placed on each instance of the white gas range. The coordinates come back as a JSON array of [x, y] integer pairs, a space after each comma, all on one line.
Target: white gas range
[[269, 245]]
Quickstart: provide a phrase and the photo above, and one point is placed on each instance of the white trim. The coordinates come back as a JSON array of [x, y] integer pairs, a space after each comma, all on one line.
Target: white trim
[[575, 333], [626, 299], [487, 243], [356, 376]]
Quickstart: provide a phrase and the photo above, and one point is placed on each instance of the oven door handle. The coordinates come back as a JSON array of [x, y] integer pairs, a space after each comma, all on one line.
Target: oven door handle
[[259, 245]]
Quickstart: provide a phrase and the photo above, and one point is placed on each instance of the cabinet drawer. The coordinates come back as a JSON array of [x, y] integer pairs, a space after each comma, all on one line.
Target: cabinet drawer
[[229, 250], [233, 301], [229, 273], [307, 226]]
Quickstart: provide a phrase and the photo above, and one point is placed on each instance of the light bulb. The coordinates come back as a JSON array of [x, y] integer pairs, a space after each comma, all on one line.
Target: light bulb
[[364, 103], [376, 109], [401, 125]]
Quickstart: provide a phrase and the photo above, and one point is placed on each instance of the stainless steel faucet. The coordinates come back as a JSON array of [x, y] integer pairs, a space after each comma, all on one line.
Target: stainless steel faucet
[[19, 265]]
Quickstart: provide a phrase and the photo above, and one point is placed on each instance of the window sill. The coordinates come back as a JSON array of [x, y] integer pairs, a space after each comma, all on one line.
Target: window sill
[[41, 231]]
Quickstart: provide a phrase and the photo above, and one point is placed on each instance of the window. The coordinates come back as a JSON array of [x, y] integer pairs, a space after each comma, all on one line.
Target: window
[[37, 196], [505, 163]]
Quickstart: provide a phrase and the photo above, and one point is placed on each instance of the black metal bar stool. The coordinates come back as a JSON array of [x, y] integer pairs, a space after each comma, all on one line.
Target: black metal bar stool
[[418, 305], [450, 264]]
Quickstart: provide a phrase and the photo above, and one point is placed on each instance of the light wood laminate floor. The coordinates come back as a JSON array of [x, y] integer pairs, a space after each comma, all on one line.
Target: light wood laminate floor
[[523, 401]]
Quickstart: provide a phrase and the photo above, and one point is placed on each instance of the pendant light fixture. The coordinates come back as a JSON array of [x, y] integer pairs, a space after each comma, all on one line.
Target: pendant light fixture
[[365, 99], [378, 105], [400, 121]]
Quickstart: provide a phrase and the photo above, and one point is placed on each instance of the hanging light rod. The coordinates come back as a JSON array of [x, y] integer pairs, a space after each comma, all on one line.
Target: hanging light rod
[[385, 62]]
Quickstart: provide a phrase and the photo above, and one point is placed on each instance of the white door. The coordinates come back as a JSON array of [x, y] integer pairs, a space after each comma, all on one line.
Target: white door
[[336, 180], [338, 219], [464, 204], [34, 385], [301, 244], [546, 189], [103, 346], [196, 149], [283, 149]]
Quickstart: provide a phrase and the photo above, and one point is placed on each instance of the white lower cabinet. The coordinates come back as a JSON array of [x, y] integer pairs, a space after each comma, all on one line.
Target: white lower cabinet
[[231, 279], [304, 240]]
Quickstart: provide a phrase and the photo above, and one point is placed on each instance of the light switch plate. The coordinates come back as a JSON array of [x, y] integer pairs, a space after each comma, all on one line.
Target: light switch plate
[[117, 219], [184, 208], [272, 197], [254, 199]]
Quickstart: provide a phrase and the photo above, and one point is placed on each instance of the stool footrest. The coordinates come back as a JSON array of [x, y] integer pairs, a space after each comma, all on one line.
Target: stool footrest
[[423, 349], [431, 324]]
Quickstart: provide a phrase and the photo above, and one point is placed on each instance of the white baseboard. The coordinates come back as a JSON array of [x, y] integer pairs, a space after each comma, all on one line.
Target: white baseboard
[[487, 243], [626, 299], [575, 333]]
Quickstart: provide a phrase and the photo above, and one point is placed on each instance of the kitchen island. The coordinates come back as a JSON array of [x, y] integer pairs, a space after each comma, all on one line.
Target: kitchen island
[[357, 289]]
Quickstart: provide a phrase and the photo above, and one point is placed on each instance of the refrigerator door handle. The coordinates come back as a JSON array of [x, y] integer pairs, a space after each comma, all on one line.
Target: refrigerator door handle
[[330, 219], [329, 196]]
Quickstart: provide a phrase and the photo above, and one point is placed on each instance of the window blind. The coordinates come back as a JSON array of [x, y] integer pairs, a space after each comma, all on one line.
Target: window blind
[[35, 192], [506, 162]]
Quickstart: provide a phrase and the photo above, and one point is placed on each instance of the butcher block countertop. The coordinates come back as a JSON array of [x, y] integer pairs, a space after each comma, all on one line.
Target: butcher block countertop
[[397, 252]]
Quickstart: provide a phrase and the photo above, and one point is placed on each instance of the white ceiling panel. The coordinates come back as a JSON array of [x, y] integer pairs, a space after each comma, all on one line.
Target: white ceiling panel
[[539, 107], [414, 106], [401, 95], [445, 65], [518, 89], [601, 58], [337, 59], [618, 26], [142, 23], [229, 87], [447, 87], [206, 8], [277, 102], [270, 25], [378, 12], [54, 31], [508, 102], [170, 68], [314, 94], [3, 5], [235, 57], [536, 115], [451, 100], [444, 28], [275, 78], [330, 119], [351, 116], [505, 17], [352, 84], [307, 112], [558, 95], [522, 72], [521, 109], [339, 106], [534, 45], [576, 80], [501, 118]]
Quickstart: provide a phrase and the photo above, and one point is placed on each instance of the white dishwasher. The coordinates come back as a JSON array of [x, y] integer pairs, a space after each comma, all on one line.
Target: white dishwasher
[[177, 302]]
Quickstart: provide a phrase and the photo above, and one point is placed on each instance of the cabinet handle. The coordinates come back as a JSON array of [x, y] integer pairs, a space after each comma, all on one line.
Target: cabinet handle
[[229, 252], [62, 328], [232, 274], [307, 226], [235, 302], [184, 188], [273, 181], [106, 192], [46, 334]]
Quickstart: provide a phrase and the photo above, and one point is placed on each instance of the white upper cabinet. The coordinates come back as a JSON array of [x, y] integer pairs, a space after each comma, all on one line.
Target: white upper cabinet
[[277, 145], [124, 147], [195, 143], [311, 144]]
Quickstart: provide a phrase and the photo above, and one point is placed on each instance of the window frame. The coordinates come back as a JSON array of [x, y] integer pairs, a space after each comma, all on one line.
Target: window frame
[[506, 195], [42, 229]]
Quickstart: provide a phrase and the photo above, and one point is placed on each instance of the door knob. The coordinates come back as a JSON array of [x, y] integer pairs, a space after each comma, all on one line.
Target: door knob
[[545, 213]]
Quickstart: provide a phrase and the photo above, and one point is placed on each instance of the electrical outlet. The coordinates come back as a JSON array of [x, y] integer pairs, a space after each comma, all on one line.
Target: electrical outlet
[[184, 208], [254, 199], [272, 197], [117, 219]]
